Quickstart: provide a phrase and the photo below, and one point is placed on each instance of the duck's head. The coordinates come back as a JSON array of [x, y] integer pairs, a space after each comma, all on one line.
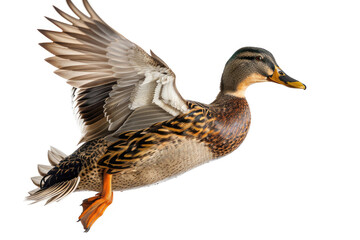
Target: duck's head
[[250, 65]]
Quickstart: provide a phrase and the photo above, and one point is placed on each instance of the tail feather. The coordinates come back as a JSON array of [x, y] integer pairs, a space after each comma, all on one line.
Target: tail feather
[[57, 152], [54, 193], [55, 156], [68, 188], [57, 191], [44, 169], [33, 191], [37, 180]]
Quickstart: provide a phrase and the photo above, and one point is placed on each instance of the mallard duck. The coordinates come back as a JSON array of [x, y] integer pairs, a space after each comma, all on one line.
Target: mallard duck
[[137, 129]]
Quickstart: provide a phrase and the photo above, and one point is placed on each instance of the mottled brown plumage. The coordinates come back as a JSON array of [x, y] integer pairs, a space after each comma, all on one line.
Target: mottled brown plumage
[[137, 129], [232, 123]]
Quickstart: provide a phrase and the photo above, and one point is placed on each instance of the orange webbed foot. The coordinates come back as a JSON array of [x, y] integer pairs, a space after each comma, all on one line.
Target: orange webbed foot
[[94, 207]]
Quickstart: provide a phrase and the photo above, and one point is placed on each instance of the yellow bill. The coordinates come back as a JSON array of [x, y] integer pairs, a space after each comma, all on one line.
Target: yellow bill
[[280, 77]]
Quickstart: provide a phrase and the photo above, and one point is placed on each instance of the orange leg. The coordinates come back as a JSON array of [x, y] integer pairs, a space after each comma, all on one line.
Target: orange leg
[[94, 207]]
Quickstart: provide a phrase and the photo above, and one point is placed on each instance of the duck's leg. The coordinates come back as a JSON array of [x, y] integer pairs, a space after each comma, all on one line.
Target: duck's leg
[[94, 207]]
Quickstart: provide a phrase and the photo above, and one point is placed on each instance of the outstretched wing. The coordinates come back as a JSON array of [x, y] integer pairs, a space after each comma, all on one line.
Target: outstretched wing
[[117, 85]]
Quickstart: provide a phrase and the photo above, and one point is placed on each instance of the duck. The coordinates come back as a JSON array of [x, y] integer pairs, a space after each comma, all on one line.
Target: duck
[[137, 129]]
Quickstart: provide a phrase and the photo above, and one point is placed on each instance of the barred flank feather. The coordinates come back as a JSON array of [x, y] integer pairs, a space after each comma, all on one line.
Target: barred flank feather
[[57, 191]]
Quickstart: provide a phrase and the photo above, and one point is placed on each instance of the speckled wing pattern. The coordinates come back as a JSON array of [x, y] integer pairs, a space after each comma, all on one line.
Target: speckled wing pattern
[[117, 86], [134, 147]]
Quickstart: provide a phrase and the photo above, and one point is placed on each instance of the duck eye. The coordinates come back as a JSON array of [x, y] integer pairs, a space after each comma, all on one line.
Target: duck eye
[[259, 58]]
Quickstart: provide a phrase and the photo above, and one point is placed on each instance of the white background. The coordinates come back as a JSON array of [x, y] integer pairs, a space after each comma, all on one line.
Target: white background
[[296, 176]]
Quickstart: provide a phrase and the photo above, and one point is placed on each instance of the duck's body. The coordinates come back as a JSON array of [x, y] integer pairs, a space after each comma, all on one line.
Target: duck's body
[[137, 129], [164, 150]]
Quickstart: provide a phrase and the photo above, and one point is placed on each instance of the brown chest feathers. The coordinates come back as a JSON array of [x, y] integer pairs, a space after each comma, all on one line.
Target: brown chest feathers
[[232, 122]]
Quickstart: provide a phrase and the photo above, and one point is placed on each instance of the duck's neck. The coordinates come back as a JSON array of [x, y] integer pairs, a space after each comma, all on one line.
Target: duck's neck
[[232, 123]]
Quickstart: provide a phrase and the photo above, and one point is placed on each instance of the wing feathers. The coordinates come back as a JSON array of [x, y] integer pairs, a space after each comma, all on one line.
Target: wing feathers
[[59, 36], [89, 68], [88, 49], [144, 117], [61, 62], [65, 27], [115, 82], [91, 11], [78, 12], [57, 49], [84, 58], [90, 38], [74, 21]]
